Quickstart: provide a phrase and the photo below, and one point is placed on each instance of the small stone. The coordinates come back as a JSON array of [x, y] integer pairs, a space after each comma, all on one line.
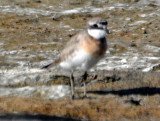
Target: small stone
[[156, 68], [145, 32], [133, 45], [38, 1]]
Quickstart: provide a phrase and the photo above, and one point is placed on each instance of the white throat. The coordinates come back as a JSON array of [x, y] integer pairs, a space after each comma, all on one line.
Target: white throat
[[96, 33]]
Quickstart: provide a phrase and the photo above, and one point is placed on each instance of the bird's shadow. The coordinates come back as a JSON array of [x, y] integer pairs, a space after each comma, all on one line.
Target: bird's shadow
[[135, 91], [30, 117]]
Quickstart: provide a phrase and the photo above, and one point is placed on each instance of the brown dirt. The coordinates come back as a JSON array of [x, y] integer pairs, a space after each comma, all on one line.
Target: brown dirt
[[104, 109], [113, 96], [116, 96]]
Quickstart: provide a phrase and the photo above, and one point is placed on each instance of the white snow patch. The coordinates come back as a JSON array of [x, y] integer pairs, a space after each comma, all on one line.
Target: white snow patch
[[46, 92], [138, 23], [152, 48], [143, 15]]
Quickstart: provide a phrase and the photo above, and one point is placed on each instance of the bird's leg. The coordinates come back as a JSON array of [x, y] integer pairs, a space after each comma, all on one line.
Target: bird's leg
[[72, 85], [84, 84]]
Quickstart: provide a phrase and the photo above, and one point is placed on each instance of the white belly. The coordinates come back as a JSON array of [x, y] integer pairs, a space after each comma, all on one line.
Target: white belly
[[79, 60]]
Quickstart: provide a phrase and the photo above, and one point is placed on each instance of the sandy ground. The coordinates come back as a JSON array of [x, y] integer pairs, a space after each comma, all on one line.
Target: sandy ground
[[33, 32], [111, 96]]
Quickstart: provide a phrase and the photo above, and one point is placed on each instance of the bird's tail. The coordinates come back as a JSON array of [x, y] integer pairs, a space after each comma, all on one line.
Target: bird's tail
[[48, 66], [57, 61]]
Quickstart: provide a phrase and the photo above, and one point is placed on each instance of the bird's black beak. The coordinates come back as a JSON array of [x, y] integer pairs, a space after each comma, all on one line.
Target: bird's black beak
[[108, 31]]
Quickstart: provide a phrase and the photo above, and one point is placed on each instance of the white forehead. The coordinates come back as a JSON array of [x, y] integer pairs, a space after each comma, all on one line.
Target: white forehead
[[96, 21]]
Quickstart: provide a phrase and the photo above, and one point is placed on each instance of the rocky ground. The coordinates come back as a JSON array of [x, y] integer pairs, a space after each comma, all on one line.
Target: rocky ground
[[111, 96], [123, 86]]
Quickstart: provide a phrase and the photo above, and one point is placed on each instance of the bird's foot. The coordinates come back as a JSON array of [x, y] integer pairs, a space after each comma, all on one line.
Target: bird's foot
[[84, 97], [72, 97]]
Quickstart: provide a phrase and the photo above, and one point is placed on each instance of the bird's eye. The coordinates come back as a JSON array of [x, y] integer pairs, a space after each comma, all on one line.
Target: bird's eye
[[104, 23], [95, 25]]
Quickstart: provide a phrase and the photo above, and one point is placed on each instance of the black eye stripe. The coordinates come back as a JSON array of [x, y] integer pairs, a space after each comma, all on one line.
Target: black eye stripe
[[95, 25], [99, 25], [104, 23]]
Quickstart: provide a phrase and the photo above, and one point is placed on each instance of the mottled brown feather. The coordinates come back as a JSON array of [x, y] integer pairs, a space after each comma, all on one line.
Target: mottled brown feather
[[83, 41], [93, 46], [70, 47]]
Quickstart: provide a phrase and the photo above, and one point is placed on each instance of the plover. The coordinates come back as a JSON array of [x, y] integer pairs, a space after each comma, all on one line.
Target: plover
[[84, 50]]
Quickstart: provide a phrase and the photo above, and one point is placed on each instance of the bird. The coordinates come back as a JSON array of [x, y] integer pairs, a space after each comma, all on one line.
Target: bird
[[83, 50]]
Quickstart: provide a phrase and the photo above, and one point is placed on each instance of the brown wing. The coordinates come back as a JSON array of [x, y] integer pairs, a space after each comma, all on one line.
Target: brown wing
[[68, 50], [70, 47]]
